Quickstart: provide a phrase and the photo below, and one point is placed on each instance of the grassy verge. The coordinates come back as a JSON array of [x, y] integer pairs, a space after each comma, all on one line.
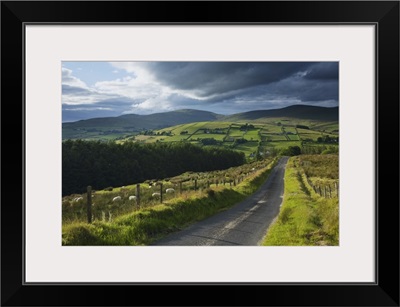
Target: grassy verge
[[149, 224], [305, 218]]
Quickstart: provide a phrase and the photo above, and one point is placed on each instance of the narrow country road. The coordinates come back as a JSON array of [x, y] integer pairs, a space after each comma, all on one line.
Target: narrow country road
[[244, 224]]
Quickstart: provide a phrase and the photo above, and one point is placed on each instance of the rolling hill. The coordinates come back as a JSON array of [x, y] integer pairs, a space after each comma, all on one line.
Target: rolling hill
[[113, 127], [151, 121], [295, 111]]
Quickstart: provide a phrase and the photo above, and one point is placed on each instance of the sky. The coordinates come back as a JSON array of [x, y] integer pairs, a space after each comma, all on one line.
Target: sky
[[103, 89]]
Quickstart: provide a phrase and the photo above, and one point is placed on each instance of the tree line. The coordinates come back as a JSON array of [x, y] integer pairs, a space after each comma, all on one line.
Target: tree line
[[104, 164]]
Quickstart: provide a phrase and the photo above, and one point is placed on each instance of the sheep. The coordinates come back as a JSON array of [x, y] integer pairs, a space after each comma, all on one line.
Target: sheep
[[116, 198], [170, 190], [76, 199], [132, 197], [156, 195]]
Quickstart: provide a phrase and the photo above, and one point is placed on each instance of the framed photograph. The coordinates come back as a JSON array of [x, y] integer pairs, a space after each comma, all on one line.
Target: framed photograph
[[194, 146]]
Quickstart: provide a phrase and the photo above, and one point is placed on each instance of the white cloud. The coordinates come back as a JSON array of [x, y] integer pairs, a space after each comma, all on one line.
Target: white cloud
[[69, 79], [76, 92]]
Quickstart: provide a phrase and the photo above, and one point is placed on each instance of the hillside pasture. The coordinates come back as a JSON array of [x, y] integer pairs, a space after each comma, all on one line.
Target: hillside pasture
[[175, 138], [154, 138], [252, 135], [330, 127], [293, 137], [236, 132], [274, 138], [268, 129], [247, 148], [281, 145], [291, 133], [190, 128], [218, 125], [309, 134], [202, 135]]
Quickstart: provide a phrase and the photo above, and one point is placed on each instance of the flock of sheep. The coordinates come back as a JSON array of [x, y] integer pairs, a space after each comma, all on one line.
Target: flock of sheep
[[130, 198], [154, 195]]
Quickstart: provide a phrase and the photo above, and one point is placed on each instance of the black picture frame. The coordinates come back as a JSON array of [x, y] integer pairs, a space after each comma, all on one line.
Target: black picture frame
[[383, 14]]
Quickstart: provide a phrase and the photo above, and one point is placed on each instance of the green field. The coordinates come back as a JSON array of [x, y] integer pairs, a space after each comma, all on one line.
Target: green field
[[252, 135], [306, 134], [332, 127], [248, 148], [201, 135], [236, 132], [274, 137]]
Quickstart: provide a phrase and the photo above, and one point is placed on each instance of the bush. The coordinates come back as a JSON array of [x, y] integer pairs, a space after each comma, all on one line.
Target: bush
[[210, 193], [292, 151]]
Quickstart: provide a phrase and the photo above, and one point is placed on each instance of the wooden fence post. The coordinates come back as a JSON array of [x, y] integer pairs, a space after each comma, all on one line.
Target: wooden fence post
[[161, 192], [138, 195], [195, 184], [89, 204]]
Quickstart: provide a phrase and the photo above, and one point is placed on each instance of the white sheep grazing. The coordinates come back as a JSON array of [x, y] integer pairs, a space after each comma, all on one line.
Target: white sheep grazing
[[170, 190], [76, 199], [116, 198], [156, 195], [132, 197]]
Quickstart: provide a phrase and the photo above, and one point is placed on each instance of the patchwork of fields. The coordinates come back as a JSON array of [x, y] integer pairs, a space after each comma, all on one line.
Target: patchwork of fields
[[252, 138]]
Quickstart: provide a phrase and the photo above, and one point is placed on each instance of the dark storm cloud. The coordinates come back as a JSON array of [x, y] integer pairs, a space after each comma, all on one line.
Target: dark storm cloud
[[306, 89], [320, 92], [214, 78], [216, 82], [324, 71]]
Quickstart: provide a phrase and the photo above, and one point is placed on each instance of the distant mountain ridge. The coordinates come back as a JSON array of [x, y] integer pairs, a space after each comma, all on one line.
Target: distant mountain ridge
[[150, 121], [294, 111], [135, 123]]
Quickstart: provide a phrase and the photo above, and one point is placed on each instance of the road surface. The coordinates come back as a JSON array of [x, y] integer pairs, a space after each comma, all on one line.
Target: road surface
[[244, 224]]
